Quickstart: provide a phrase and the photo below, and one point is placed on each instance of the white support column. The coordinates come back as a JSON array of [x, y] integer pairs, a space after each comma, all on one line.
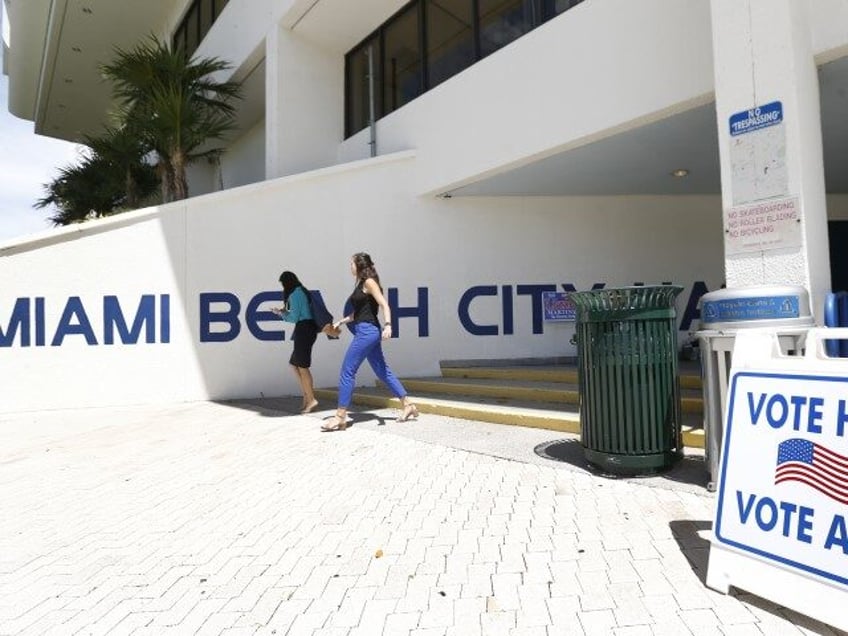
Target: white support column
[[304, 93], [772, 170]]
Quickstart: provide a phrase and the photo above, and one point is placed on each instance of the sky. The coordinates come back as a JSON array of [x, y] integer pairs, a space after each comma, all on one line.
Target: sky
[[27, 161]]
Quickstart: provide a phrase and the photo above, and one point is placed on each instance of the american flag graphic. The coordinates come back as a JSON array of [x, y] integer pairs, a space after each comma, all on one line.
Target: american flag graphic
[[814, 465]]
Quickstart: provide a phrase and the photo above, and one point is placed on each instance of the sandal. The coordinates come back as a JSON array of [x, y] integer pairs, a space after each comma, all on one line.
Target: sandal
[[338, 424], [410, 412]]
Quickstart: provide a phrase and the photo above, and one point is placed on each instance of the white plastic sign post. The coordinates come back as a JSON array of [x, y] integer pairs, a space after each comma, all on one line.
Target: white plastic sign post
[[781, 520]]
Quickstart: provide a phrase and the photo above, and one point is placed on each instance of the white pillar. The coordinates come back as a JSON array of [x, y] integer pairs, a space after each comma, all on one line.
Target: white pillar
[[304, 93], [762, 54]]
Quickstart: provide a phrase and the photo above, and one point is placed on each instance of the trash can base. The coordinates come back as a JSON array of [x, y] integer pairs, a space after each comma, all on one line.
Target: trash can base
[[630, 465]]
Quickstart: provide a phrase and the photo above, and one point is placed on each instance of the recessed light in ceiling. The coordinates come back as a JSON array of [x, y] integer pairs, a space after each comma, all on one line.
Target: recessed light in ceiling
[[680, 173]]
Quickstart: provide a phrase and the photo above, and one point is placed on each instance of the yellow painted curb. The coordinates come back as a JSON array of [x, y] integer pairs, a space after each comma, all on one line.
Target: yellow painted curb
[[535, 394], [560, 422]]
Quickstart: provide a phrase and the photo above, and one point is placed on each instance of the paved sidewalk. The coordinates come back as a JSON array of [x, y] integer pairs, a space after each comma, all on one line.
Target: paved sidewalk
[[243, 519]]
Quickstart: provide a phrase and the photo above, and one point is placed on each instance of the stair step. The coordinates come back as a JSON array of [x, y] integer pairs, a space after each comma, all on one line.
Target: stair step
[[689, 375], [507, 388], [545, 415]]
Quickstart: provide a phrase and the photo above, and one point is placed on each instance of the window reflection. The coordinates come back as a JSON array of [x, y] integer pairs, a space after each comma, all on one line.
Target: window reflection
[[450, 39], [357, 86], [502, 21], [401, 60], [198, 20], [457, 33]]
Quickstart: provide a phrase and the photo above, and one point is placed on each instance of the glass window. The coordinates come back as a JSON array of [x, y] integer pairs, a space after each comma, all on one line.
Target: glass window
[[206, 17], [401, 60], [357, 80], [553, 8], [192, 22], [450, 39], [502, 21], [219, 6], [179, 39]]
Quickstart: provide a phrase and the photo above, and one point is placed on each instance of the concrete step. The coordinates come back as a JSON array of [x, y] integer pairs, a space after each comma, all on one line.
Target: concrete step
[[555, 416], [690, 375], [507, 386]]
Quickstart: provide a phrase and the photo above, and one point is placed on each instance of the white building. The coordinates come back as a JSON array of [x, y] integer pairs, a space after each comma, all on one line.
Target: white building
[[519, 146]]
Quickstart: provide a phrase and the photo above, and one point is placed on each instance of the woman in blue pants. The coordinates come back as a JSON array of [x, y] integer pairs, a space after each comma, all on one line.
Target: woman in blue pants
[[367, 298]]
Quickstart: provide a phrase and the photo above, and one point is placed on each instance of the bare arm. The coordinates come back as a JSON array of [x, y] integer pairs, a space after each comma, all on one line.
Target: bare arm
[[372, 288]]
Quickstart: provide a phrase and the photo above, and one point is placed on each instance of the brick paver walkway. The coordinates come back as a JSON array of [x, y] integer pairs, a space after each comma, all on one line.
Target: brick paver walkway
[[210, 519]]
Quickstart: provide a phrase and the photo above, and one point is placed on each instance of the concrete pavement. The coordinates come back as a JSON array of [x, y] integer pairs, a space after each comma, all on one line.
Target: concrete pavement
[[242, 518]]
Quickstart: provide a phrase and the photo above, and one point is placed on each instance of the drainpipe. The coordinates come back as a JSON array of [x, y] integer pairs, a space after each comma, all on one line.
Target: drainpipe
[[372, 121]]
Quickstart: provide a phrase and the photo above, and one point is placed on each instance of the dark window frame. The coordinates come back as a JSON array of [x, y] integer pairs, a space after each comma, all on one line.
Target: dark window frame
[[193, 13], [542, 12]]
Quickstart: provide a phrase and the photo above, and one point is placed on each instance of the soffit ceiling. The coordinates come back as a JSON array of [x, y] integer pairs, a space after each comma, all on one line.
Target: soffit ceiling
[[88, 31], [641, 161], [638, 161]]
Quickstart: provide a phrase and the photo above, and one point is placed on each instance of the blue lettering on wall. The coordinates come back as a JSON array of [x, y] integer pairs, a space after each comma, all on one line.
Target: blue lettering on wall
[[74, 311], [229, 316], [28, 317], [18, 320], [253, 316], [113, 318], [220, 317], [506, 309], [40, 339], [691, 313], [535, 293], [464, 316], [420, 311]]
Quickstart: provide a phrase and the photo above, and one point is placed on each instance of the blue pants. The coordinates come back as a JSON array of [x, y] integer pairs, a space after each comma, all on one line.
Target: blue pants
[[366, 345]]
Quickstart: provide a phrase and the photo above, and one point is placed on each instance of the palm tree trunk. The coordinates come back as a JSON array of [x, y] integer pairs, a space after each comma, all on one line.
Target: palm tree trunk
[[132, 193], [166, 179], [180, 183]]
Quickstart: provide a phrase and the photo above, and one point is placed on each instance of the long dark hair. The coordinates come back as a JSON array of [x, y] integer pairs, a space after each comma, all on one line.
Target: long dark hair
[[290, 282], [365, 267]]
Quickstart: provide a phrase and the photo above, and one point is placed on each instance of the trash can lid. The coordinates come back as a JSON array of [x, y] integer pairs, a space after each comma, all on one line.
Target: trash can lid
[[756, 306], [625, 303]]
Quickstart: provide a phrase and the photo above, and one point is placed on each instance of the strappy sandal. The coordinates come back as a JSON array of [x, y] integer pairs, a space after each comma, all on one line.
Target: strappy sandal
[[410, 412], [338, 424]]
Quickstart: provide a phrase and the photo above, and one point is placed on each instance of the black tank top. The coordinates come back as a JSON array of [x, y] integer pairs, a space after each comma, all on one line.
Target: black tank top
[[364, 306]]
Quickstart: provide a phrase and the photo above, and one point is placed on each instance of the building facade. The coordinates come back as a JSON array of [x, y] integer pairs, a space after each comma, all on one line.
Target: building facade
[[484, 152]]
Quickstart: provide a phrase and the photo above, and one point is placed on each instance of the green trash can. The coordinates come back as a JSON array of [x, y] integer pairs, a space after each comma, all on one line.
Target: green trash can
[[630, 412]]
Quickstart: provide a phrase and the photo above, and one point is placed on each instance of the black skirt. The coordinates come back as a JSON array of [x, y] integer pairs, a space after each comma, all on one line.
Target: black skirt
[[304, 335]]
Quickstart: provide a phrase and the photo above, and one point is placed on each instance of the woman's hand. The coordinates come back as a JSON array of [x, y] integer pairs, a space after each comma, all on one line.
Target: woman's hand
[[387, 331]]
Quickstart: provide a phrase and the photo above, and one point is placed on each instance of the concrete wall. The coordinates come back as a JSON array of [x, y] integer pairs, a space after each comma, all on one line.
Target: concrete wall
[[165, 262], [244, 160]]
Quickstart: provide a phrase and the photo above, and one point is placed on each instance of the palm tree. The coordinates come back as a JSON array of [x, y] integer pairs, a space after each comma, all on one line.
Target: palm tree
[[126, 154], [83, 191], [111, 176], [174, 105]]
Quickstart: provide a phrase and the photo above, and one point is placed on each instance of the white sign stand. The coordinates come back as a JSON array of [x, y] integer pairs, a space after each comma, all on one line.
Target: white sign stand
[[781, 524]]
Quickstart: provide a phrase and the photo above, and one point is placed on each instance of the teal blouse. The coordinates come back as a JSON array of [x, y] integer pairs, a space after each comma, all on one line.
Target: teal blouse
[[298, 307]]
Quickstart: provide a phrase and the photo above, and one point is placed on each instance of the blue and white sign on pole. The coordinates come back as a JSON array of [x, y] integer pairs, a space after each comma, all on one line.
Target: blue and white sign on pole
[[756, 118], [781, 523]]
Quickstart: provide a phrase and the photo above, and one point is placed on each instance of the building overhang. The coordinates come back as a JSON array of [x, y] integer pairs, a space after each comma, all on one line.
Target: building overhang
[[338, 25], [55, 50]]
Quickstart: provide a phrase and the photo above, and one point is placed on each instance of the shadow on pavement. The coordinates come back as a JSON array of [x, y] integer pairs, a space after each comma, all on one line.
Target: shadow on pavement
[[694, 547], [288, 406], [690, 469], [266, 407]]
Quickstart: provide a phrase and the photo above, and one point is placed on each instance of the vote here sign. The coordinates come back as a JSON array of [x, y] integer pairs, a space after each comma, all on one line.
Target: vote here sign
[[783, 486]]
